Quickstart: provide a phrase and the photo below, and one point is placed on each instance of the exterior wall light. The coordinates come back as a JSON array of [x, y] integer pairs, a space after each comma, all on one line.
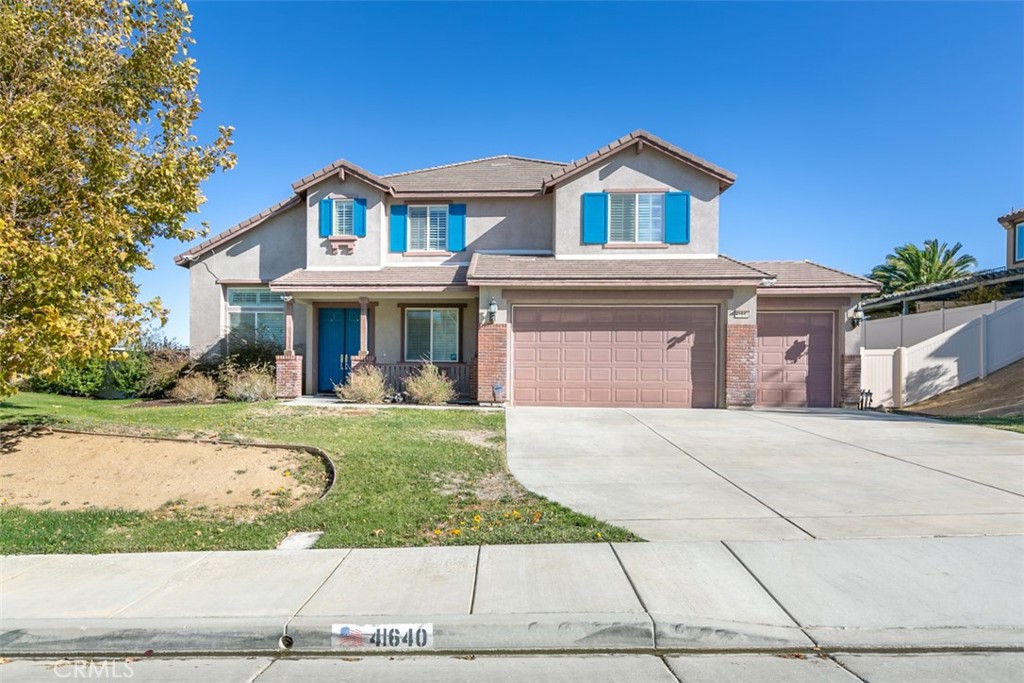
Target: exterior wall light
[[492, 311], [857, 316]]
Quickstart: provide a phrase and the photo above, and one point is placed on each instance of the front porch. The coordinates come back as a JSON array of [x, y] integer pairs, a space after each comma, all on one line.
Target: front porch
[[397, 332]]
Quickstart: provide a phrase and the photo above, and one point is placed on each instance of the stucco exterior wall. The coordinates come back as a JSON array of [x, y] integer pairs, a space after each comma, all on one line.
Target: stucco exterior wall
[[492, 224], [367, 250], [648, 170], [1011, 247], [268, 251]]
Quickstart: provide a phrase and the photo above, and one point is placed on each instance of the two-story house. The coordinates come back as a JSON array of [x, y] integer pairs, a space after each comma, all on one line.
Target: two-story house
[[596, 282]]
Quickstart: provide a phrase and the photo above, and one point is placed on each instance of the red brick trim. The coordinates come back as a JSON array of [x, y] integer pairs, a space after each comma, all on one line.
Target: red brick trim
[[851, 380], [289, 376], [492, 362], [740, 365]]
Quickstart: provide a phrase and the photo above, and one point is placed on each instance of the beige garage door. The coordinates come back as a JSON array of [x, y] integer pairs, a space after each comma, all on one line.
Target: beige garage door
[[794, 359], [614, 356]]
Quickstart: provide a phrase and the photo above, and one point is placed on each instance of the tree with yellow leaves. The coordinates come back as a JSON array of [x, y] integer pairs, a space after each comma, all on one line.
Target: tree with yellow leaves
[[97, 160]]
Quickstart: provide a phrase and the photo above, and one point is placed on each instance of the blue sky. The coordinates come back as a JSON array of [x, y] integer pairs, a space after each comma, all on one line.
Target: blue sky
[[852, 127]]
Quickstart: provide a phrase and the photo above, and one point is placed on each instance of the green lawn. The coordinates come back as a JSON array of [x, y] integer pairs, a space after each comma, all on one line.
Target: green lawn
[[1011, 423], [398, 482]]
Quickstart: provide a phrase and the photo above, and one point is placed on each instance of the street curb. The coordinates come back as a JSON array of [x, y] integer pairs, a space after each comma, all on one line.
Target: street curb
[[475, 634]]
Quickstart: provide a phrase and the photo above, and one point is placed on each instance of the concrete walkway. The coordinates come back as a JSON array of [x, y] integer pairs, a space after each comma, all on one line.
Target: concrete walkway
[[771, 474], [854, 596]]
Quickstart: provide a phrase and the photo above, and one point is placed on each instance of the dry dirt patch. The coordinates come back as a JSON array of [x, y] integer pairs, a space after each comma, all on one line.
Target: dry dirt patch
[[998, 395], [59, 471]]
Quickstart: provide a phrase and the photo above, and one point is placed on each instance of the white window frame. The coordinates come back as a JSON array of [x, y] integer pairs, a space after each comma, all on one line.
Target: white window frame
[[431, 309], [336, 230], [271, 307], [636, 217], [443, 248]]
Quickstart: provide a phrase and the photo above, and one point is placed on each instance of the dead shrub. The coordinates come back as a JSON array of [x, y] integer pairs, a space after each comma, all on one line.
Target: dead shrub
[[194, 389], [365, 385], [253, 384], [429, 387]]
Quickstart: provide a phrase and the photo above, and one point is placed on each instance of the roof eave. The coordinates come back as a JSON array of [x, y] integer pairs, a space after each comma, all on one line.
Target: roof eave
[[363, 289], [612, 282], [186, 258], [813, 289]]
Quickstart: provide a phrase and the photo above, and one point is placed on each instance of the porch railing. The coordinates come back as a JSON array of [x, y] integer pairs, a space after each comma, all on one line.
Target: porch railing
[[395, 374]]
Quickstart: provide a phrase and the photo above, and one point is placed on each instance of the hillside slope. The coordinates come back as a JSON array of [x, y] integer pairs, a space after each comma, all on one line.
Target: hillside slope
[[1001, 394]]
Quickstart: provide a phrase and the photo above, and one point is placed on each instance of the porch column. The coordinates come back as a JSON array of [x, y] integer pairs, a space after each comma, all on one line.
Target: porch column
[[364, 327], [289, 326]]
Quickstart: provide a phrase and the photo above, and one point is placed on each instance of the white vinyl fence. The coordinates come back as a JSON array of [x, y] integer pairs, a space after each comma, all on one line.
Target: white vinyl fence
[[907, 330], [906, 375]]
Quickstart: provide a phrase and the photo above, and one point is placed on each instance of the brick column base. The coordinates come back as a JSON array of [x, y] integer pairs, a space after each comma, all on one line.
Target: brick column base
[[851, 381], [740, 365], [289, 376], [492, 362]]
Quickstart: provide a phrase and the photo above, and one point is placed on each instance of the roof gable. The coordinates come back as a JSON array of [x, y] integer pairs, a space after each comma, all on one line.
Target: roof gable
[[340, 168], [640, 138]]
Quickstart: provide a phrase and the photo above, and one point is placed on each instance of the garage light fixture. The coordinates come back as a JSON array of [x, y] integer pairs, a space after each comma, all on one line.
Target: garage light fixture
[[492, 310], [857, 316]]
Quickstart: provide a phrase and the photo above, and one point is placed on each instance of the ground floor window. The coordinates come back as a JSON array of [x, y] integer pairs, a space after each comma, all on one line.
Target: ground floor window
[[432, 334], [255, 318]]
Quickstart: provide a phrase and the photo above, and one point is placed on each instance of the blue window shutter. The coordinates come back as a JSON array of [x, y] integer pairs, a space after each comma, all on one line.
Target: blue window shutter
[[399, 214], [359, 217], [595, 218], [677, 217], [456, 227], [326, 209]]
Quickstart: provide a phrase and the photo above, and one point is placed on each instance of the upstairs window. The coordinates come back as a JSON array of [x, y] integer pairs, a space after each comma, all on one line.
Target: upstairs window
[[1018, 252], [255, 318], [343, 223], [428, 228], [636, 217]]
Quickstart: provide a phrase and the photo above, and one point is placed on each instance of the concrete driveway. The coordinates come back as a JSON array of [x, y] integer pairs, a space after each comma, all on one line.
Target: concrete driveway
[[771, 474]]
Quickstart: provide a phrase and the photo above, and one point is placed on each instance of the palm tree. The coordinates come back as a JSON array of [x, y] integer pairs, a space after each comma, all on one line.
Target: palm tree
[[910, 266]]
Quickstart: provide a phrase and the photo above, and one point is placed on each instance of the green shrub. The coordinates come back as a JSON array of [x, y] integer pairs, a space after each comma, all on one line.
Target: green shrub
[[195, 388], [253, 384], [429, 387], [73, 378], [127, 372], [365, 385]]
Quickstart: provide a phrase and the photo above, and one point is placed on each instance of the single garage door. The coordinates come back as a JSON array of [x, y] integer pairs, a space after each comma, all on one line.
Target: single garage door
[[794, 359], [614, 356]]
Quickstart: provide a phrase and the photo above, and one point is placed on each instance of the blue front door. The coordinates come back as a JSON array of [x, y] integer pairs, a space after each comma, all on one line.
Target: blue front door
[[338, 337]]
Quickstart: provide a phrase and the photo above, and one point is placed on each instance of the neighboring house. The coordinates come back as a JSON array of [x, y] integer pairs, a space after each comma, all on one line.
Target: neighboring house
[[1006, 282], [596, 282]]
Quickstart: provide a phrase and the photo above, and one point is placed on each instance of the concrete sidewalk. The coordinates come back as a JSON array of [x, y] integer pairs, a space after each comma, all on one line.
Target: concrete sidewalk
[[740, 597]]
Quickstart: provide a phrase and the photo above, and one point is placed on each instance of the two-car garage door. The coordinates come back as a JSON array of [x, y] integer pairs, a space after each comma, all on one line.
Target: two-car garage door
[[615, 355]]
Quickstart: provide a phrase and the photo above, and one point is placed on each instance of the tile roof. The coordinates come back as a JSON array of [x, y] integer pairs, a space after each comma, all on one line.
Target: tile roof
[[809, 274], [400, 276], [725, 178], [1008, 220], [939, 290], [512, 269], [503, 173], [235, 230]]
